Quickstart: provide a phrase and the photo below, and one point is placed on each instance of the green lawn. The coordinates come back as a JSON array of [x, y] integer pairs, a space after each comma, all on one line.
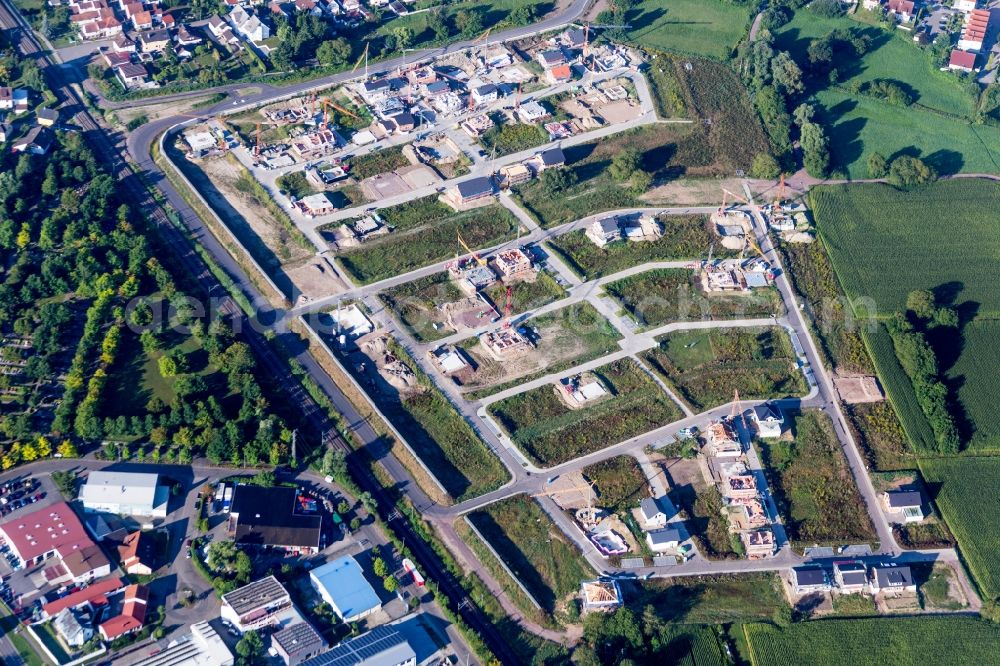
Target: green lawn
[[667, 295], [710, 28], [531, 545], [705, 367], [427, 241], [714, 599], [684, 237], [415, 305], [896, 641], [619, 482], [966, 494], [549, 432], [376, 162], [812, 485], [892, 56]]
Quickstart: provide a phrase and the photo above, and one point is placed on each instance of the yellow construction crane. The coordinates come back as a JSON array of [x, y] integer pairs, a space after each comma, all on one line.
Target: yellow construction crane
[[475, 255], [364, 56]]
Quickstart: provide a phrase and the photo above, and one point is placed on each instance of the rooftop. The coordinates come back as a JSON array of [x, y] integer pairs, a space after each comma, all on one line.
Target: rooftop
[[900, 499], [382, 646], [298, 638], [256, 595], [809, 575], [265, 516], [120, 488], [347, 586], [94, 593], [54, 527]]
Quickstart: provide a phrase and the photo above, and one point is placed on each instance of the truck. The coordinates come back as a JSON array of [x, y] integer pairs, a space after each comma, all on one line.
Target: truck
[[227, 498]]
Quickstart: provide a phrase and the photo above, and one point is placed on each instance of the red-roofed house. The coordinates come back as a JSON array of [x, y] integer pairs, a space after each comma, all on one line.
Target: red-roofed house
[[133, 614], [903, 9], [95, 595], [49, 531], [977, 23], [559, 74], [964, 61], [142, 20]]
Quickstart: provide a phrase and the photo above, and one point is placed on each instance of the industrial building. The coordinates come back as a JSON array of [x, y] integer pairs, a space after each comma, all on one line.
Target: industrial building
[[382, 646], [202, 647], [267, 517], [297, 643], [262, 603], [342, 584], [46, 532], [125, 493]]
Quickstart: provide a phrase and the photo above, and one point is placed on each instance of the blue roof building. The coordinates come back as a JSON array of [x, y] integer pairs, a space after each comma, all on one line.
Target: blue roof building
[[342, 584]]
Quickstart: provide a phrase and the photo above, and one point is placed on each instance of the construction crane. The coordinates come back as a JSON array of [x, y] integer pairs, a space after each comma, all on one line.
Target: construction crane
[[517, 97], [586, 35], [257, 141], [508, 304], [726, 193], [781, 193], [326, 111], [475, 255], [737, 410], [364, 56]]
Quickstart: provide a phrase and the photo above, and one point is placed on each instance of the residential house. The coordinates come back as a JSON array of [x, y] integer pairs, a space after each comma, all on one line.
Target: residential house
[[130, 9], [185, 37], [6, 98], [851, 576], [768, 420], [47, 117], [600, 595], [663, 540], [906, 504], [604, 230], [133, 616], [721, 440], [142, 20], [485, 94], [559, 74], [653, 516], [890, 578], [551, 58], [154, 41], [74, 626], [474, 189], [137, 553], [532, 112], [122, 44], [758, 544], [807, 579], [38, 140], [974, 31], [132, 75], [115, 59], [5, 132], [553, 158], [871, 5], [511, 263], [21, 102], [963, 61], [222, 32], [514, 174], [903, 9], [316, 205], [965, 6], [249, 26]]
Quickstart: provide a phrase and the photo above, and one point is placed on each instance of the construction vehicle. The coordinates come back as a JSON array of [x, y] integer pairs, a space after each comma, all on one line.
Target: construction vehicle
[[479, 260]]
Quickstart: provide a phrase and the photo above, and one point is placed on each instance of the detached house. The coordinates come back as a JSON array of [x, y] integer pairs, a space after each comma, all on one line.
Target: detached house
[[604, 230], [907, 505], [810, 579], [883, 578], [653, 517], [851, 576], [154, 41], [768, 420]]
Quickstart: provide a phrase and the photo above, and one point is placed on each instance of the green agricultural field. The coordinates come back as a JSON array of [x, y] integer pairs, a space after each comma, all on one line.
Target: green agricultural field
[[710, 28], [857, 222], [966, 496], [415, 305], [705, 367], [892, 57], [885, 243], [619, 482], [684, 237], [426, 242], [542, 425], [896, 641], [531, 545], [667, 295], [812, 485]]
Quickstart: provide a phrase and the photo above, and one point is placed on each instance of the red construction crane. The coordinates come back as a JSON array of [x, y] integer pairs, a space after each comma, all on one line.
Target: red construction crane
[[507, 307]]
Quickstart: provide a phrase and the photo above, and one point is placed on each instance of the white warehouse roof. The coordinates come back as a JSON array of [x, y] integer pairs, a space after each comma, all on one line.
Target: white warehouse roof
[[120, 488]]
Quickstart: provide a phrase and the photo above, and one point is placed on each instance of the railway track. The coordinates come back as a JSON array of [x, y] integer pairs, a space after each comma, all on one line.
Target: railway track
[[320, 427]]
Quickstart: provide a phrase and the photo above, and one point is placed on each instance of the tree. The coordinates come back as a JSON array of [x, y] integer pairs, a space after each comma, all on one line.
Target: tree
[[624, 164], [469, 23], [263, 478], [167, 366], [877, 166], [343, 507], [641, 181], [222, 555], [555, 181], [404, 37], [335, 463], [334, 52], [390, 584], [438, 25], [67, 449], [921, 303], [907, 171], [787, 75], [765, 166], [250, 647], [816, 150], [378, 566], [804, 113], [355, 523]]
